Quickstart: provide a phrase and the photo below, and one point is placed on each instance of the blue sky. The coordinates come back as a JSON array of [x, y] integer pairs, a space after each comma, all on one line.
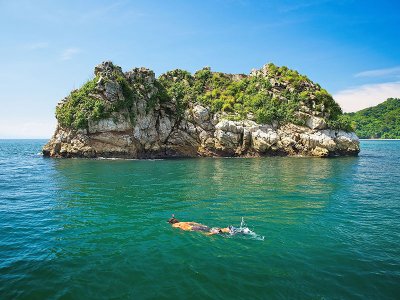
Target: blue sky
[[50, 47]]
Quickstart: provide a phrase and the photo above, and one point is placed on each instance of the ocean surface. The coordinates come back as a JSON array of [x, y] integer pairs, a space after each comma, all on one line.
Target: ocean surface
[[96, 229]]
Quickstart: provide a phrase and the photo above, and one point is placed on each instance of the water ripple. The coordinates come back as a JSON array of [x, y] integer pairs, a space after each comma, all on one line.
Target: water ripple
[[97, 228]]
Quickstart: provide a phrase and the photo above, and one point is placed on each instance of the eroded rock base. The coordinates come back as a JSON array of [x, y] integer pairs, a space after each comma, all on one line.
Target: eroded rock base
[[198, 133]]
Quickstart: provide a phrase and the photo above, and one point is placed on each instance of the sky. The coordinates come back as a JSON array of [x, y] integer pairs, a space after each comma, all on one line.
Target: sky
[[48, 48]]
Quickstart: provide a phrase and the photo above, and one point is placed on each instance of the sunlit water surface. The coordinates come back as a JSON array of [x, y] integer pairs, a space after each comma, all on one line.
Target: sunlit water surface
[[96, 229]]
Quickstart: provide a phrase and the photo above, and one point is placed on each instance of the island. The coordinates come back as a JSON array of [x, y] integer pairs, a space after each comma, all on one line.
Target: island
[[378, 122], [271, 111]]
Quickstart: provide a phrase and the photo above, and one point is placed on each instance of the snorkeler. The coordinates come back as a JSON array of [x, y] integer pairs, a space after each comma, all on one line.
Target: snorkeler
[[193, 226]]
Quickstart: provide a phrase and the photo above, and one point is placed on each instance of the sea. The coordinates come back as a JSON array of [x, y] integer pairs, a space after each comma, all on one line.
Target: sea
[[97, 229]]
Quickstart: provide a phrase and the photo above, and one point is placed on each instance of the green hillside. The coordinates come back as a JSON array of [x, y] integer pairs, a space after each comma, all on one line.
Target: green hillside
[[381, 121], [270, 94]]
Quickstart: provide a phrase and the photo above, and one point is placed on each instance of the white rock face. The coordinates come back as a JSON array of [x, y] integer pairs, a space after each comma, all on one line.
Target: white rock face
[[165, 128], [263, 139], [201, 114], [230, 126], [316, 122], [157, 134], [227, 140], [347, 141], [113, 91], [145, 131], [116, 123]]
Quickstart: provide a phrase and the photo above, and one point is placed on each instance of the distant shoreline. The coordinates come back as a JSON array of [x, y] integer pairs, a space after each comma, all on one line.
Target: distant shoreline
[[21, 139], [379, 139]]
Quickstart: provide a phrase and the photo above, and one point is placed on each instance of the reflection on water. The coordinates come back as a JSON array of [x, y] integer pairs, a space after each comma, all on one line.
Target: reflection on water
[[201, 188]]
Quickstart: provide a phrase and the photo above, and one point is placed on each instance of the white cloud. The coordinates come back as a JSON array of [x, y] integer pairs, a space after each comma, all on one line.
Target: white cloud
[[356, 98], [68, 53], [379, 72]]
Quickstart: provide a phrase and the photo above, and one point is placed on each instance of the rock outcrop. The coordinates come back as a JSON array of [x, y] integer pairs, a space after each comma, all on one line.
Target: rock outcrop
[[147, 127]]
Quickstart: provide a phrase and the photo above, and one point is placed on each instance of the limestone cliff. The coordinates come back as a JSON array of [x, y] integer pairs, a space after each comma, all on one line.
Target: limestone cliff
[[272, 111]]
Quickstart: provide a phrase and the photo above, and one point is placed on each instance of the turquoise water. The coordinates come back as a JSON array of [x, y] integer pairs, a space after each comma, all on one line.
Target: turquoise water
[[96, 229]]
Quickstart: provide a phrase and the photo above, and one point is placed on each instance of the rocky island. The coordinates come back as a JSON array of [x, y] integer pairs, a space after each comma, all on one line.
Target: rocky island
[[271, 111]]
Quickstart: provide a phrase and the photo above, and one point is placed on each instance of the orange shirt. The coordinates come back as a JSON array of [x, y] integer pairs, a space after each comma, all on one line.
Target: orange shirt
[[186, 225]]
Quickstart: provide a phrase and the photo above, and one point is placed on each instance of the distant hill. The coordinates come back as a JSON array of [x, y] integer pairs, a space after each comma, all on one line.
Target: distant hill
[[381, 121]]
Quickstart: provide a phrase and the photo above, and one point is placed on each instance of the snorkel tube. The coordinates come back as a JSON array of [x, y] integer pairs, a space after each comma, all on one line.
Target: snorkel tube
[[173, 220]]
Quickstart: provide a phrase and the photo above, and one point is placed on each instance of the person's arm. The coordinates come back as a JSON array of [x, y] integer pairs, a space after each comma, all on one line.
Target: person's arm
[[218, 231], [210, 233]]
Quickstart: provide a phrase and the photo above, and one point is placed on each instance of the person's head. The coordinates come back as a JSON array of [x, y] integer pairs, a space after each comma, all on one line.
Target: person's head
[[173, 220]]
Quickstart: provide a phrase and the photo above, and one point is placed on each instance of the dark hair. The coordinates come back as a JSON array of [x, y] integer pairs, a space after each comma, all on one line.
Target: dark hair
[[173, 220]]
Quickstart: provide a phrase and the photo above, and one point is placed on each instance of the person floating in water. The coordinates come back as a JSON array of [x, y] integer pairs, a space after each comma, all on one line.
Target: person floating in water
[[193, 226]]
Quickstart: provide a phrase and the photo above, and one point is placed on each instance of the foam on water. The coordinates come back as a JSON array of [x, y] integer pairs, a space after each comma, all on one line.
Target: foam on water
[[244, 232]]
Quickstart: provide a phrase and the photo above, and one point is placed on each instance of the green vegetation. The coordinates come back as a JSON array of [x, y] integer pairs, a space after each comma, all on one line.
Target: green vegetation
[[381, 121], [279, 94], [129, 97], [342, 122], [85, 104], [81, 106], [270, 94], [177, 87]]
